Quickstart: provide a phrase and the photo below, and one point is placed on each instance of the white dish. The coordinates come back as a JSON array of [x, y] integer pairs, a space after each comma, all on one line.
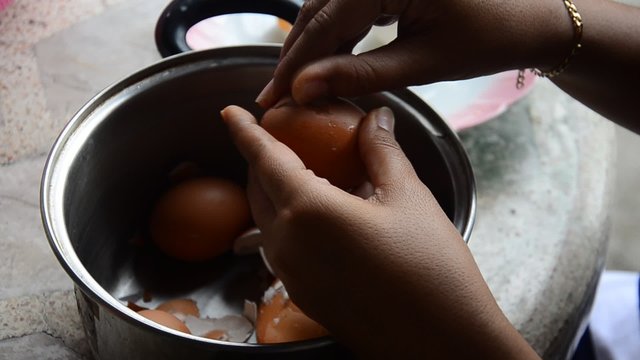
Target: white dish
[[467, 103]]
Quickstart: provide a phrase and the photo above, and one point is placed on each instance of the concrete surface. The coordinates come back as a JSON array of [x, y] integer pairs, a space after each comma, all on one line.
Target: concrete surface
[[624, 247], [543, 172], [23, 253], [36, 347]]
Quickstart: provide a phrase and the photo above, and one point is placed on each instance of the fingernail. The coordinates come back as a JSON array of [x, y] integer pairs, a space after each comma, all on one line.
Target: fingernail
[[265, 95], [248, 242], [230, 114], [222, 112], [310, 91], [226, 112], [384, 118]]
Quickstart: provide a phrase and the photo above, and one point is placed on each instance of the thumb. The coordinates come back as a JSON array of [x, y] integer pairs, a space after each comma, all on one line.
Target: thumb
[[385, 162]]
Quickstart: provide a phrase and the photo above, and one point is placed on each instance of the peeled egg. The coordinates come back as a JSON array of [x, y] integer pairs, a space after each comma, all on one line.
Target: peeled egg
[[280, 320], [198, 219], [323, 135], [180, 307], [166, 319]]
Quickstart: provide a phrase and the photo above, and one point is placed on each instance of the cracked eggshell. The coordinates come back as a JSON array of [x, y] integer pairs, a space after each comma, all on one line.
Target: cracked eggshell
[[165, 319], [280, 320], [230, 328], [324, 135], [180, 307], [250, 311]]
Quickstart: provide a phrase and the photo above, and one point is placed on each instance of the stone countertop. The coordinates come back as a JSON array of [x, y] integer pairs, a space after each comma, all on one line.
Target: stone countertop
[[543, 172], [542, 168]]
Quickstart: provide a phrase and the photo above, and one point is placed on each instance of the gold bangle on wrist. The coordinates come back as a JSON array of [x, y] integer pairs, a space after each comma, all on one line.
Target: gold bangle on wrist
[[576, 20]]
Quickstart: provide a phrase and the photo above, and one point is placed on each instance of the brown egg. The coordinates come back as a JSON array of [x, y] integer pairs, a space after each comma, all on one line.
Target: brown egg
[[180, 307], [166, 319], [324, 135], [280, 320], [198, 219]]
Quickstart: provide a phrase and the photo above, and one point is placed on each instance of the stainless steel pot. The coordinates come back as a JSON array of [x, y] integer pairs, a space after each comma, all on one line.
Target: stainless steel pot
[[111, 162]]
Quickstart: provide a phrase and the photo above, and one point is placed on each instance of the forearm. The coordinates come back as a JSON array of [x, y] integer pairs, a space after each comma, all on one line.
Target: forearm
[[469, 323], [605, 72], [472, 326]]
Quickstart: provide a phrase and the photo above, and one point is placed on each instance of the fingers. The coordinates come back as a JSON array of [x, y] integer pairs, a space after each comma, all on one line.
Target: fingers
[[307, 12], [323, 28], [386, 163], [269, 95], [275, 166], [392, 66]]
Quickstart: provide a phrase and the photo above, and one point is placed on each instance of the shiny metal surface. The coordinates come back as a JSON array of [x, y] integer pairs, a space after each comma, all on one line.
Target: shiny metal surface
[[111, 162]]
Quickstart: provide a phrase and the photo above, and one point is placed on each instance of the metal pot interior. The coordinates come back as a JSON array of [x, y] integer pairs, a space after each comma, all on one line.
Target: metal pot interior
[[112, 161]]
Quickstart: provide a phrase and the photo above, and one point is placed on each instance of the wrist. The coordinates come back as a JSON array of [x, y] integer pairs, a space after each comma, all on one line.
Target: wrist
[[576, 22], [550, 35], [576, 44]]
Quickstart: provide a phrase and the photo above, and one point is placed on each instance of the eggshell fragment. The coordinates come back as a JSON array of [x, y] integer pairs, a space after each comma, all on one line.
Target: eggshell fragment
[[280, 320], [237, 328], [248, 242], [250, 311], [135, 307], [217, 335], [180, 307], [165, 319]]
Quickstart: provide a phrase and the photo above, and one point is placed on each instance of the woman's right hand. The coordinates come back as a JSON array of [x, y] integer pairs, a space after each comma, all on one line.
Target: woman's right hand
[[386, 273], [437, 40]]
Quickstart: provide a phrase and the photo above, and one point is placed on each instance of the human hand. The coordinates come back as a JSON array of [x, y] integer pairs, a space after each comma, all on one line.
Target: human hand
[[437, 40], [387, 274]]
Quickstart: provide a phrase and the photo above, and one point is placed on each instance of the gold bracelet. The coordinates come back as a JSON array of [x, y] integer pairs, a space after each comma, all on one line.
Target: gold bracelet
[[576, 20]]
